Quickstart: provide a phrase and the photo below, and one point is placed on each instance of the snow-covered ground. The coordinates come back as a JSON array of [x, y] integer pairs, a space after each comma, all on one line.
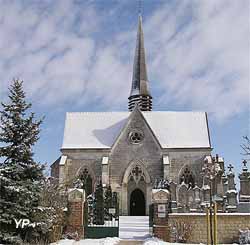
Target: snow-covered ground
[[113, 241], [104, 241]]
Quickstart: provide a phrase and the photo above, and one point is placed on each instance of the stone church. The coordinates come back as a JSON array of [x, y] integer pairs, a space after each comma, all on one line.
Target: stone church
[[135, 150]]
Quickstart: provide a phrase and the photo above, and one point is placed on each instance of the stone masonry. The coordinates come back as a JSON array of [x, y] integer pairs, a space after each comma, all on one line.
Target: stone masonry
[[228, 226]]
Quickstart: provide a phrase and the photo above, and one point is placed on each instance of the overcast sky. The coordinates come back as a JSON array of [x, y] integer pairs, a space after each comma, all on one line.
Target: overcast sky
[[78, 56]]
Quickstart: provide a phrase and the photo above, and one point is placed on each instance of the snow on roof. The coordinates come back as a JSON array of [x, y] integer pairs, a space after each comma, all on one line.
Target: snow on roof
[[92, 129], [220, 159], [63, 160], [75, 189], [166, 160], [100, 129], [208, 159], [158, 190]]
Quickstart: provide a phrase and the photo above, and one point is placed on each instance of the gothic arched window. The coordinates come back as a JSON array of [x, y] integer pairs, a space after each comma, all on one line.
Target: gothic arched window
[[188, 178], [86, 181]]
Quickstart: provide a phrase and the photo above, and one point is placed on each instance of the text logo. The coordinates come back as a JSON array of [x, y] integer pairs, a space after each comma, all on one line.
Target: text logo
[[21, 223]]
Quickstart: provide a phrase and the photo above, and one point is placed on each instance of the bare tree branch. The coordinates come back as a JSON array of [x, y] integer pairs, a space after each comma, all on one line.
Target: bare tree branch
[[246, 146]]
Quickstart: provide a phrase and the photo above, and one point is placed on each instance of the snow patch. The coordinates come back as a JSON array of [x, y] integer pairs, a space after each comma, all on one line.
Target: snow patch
[[114, 241], [104, 241]]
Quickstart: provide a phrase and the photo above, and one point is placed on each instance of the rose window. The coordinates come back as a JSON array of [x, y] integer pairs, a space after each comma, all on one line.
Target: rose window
[[136, 137]]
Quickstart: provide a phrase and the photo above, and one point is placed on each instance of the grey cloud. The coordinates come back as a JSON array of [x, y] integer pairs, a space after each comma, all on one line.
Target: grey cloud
[[206, 64], [197, 54]]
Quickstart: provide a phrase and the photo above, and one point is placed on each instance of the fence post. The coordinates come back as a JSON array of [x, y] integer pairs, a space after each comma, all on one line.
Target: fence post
[[160, 211], [208, 225], [76, 198], [215, 223]]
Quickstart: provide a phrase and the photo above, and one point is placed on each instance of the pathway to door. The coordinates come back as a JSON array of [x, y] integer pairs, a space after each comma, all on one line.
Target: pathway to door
[[134, 227]]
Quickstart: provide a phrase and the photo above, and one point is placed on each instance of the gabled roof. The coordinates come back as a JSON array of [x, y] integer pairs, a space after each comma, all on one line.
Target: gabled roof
[[91, 130]]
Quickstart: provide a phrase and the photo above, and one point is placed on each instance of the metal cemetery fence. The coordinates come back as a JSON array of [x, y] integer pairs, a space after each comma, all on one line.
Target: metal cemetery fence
[[108, 227]]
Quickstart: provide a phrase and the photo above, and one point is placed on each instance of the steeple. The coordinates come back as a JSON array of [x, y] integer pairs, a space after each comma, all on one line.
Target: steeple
[[140, 89]]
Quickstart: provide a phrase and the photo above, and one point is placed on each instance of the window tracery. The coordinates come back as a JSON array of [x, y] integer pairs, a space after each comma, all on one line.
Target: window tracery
[[136, 174], [187, 177], [136, 136]]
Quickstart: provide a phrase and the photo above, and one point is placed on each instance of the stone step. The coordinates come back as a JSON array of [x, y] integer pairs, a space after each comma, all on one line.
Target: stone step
[[135, 222], [129, 242], [134, 228], [134, 235], [139, 226], [134, 217]]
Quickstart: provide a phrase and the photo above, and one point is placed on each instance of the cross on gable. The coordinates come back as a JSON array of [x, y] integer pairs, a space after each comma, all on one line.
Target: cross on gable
[[244, 165], [230, 167]]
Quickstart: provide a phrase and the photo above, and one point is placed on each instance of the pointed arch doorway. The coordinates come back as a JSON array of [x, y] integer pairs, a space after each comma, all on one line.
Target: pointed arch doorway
[[136, 190], [137, 203]]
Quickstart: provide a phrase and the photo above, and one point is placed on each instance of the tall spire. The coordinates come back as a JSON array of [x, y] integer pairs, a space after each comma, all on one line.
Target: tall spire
[[140, 90]]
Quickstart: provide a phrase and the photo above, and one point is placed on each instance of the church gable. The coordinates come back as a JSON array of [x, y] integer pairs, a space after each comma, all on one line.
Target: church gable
[[136, 127], [136, 141]]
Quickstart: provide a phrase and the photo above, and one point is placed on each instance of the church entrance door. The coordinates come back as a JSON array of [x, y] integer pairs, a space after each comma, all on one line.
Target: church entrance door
[[137, 203]]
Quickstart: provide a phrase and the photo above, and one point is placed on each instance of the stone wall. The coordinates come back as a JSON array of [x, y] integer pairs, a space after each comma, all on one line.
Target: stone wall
[[228, 225], [79, 159], [75, 218], [55, 171], [161, 230]]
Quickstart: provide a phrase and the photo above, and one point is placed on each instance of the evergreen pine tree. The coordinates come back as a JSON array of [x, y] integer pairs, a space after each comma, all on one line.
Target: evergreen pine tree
[[88, 185], [107, 203], [20, 175], [115, 204], [98, 205], [84, 181]]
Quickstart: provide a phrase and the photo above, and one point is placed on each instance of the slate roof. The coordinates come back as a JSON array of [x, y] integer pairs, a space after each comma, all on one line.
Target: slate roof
[[84, 130]]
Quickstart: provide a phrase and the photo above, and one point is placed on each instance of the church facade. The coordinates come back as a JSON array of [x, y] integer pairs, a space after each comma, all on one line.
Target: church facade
[[135, 151]]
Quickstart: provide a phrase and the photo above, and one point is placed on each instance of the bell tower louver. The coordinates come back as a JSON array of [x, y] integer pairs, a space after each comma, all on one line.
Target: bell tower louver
[[140, 88]]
